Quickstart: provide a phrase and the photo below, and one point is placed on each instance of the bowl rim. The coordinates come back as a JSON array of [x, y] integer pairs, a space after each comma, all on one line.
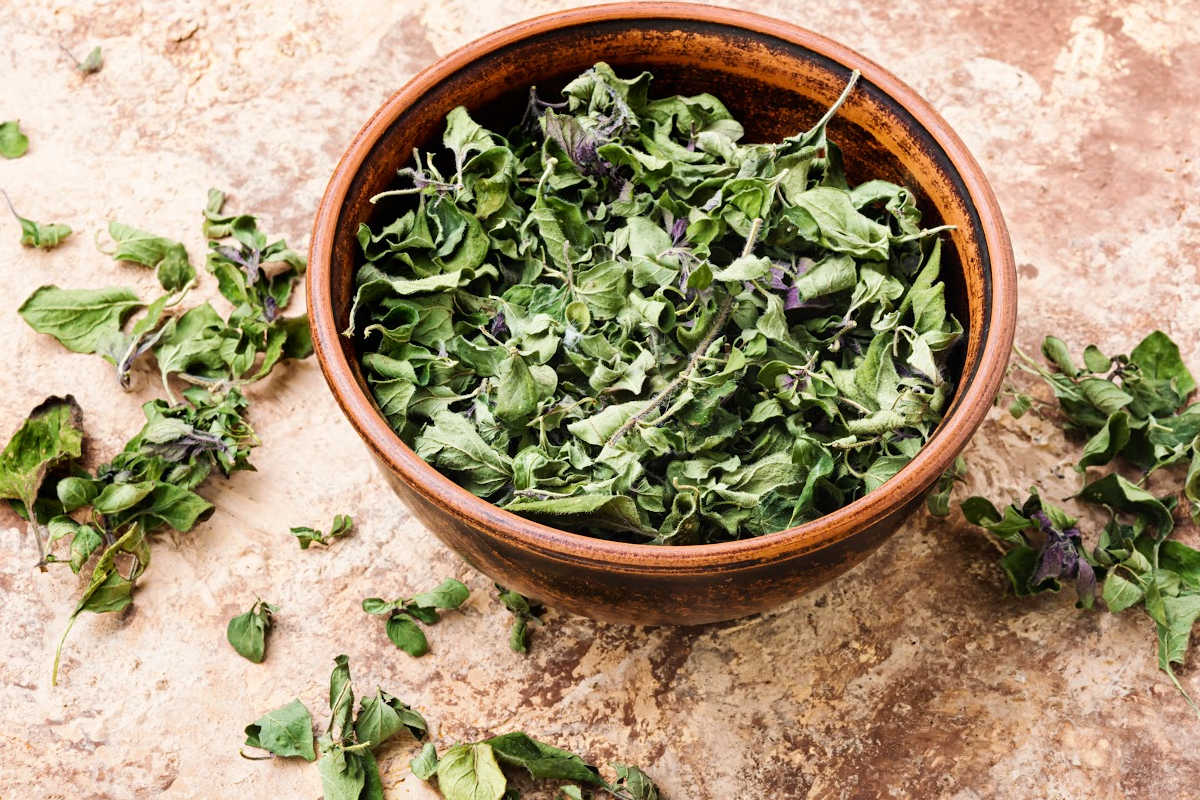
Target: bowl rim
[[564, 546]]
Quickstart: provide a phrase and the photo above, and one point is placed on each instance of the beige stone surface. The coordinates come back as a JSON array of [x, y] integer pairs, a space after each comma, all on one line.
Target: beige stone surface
[[912, 676]]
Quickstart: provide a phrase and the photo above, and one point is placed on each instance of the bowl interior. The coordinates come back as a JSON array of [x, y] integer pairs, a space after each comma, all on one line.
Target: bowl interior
[[777, 80]]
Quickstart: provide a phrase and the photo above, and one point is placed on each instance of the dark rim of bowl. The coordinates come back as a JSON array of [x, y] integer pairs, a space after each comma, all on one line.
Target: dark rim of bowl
[[974, 397]]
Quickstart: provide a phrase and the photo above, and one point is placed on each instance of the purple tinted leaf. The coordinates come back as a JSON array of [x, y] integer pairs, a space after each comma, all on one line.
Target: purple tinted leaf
[[792, 300]]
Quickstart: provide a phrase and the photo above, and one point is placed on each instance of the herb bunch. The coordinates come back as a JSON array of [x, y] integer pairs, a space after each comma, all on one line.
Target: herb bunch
[[1132, 409], [620, 320]]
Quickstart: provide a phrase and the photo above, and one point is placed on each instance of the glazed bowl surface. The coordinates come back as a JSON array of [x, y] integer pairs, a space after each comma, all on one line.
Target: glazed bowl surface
[[776, 79]]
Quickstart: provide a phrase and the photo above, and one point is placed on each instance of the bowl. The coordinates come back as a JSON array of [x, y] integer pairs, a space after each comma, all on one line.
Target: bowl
[[777, 79]]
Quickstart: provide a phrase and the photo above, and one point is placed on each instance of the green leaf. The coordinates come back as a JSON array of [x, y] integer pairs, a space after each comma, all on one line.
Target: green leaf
[[92, 62], [341, 698], [344, 774], [384, 715], [1159, 359], [517, 395], [470, 772], [405, 634], [166, 257], [51, 437], [38, 234], [450, 593], [286, 731], [1120, 495], [1104, 446], [247, 633], [1055, 350], [424, 765], [542, 760], [1119, 593], [634, 783], [13, 143], [604, 512], [83, 320]]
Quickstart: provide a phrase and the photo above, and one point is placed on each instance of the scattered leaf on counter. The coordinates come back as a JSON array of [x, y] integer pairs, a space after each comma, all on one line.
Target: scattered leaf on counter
[[247, 633], [13, 143], [46, 235], [403, 615], [341, 526]]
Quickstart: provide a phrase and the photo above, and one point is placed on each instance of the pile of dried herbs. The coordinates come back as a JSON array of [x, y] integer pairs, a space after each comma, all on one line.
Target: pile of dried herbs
[[620, 320], [1133, 410], [108, 518]]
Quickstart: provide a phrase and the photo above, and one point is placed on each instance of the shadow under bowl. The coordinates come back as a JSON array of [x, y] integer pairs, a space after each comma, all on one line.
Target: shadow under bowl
[[776, 79]]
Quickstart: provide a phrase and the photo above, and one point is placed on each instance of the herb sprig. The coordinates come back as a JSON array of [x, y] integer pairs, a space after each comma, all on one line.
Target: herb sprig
[[404, 614]]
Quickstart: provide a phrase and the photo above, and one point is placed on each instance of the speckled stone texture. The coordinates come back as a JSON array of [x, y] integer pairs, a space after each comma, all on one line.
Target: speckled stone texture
[[915, 675]]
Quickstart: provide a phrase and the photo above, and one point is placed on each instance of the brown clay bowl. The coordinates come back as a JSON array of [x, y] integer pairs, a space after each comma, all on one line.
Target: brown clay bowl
[[777, 79]]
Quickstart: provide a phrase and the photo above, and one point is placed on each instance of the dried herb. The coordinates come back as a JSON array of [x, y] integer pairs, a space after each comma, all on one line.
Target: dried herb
[[938, 500], [403, 615], [347, 764], [91, 63], [13, 143], [341, 526], [247, 633], [473, 771], [109, 518], [46, 235], [620, 320], [168, 258], [51, 437], [525, 611], [1132, 409]]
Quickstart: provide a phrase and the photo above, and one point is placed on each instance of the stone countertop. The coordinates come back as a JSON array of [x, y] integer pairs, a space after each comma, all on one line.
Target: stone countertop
[[915, 675]]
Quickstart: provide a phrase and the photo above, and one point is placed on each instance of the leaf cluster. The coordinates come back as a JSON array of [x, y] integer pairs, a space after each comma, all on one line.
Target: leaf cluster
[[341, 526], [1132, 409], [197, 346], [347, 761], [109, 517], [621, 320], [474, 771], [404, 614]]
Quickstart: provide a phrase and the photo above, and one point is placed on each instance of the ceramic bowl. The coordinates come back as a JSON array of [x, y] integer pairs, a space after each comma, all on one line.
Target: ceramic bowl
[[777, 79]]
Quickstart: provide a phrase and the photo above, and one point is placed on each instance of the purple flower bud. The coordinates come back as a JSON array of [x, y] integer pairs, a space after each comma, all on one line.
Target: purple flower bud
[[497, 327], [793, 299], [677, 230], [776, 281]]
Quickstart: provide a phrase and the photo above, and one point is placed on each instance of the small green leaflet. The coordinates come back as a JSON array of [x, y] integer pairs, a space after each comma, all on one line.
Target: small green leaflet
[[342, 525], [13, 143], [91, 63], [167, 258], [247, 633], [525, 612], [286, 731], [46, 235]]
